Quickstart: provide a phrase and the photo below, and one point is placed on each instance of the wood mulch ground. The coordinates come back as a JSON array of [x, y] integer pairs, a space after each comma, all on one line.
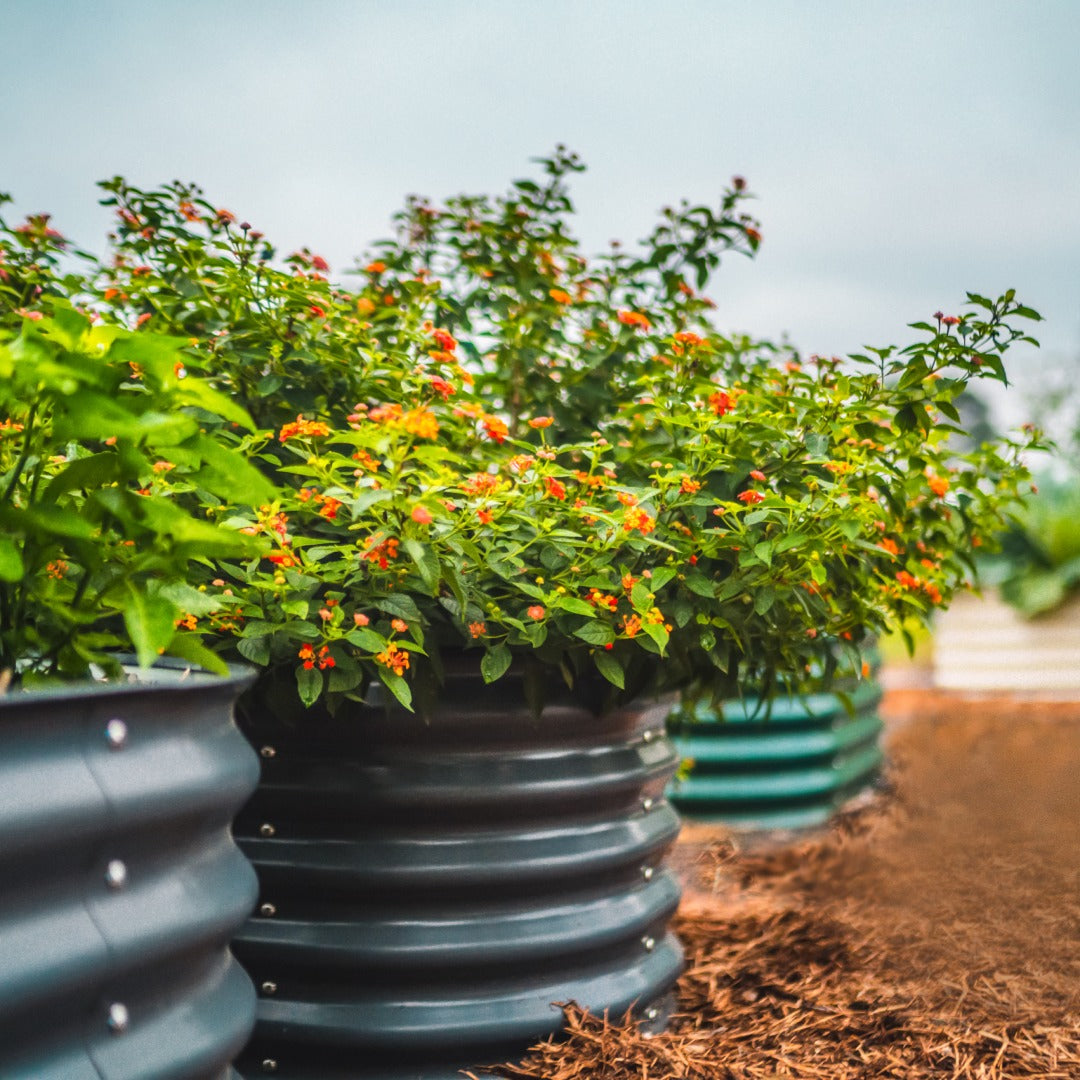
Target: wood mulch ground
[[933, 933]]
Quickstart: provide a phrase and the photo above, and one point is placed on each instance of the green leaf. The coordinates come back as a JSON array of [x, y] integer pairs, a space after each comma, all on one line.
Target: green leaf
[[367, 640], [641, 597], [575, 605], [190, 647], [817, 445], [657, 633], [189, 599], [309, 683], [150, 622], [595, 633], [401, 605], [763, 599], [255, 649], [610, 668], [426, 562], [698, 583], [660, 577], [397, 686], [495, 663], [764, 551], [11, 561]]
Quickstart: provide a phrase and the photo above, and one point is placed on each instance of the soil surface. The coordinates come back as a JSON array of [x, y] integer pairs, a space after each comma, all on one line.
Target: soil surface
[[933, 932]]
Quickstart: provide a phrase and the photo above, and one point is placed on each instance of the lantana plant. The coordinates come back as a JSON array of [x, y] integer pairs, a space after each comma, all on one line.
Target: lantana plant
[[498, 445]]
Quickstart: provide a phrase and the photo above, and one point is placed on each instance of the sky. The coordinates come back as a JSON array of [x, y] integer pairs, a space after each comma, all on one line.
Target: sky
[[902, 153]]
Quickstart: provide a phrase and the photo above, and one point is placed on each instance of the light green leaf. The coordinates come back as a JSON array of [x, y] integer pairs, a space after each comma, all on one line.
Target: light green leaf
[[150, 622], [11, 561], [495, 663], [397, 686], [309, 683], [610, 668]]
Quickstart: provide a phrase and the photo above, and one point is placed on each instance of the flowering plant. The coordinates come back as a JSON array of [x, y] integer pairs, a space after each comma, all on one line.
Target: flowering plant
[[94, 551], [499, 444]]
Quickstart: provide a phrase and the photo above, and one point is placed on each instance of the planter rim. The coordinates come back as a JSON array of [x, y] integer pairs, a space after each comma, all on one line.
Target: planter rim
[[167, 672]]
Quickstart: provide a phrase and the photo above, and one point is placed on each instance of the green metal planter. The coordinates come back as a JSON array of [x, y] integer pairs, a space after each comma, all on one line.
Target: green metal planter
[[788, 768], [429, 889], [120, 885]]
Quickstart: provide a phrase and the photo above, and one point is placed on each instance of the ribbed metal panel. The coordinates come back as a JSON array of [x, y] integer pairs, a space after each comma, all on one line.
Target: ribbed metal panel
[[789, 767], [120, 885], [428, 889]]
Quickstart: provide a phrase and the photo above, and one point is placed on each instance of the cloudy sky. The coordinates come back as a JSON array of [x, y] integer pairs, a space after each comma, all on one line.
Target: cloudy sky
[[902, 152]]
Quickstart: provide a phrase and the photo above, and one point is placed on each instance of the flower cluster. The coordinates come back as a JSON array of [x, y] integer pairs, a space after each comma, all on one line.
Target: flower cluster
[[498, 444]]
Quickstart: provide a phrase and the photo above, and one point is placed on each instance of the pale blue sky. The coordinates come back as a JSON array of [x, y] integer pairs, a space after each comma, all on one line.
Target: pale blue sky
[[902, 152]]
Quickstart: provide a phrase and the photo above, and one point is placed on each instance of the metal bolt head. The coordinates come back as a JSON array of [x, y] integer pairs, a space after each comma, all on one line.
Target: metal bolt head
[[649, 943], [269, 987], [647, 873], [268, 752], [646, 803], [119, 1018], [269, 1065], [267, 829], [647, 736], [116, 733], [652, 1013], [267, 910], [116, 874]]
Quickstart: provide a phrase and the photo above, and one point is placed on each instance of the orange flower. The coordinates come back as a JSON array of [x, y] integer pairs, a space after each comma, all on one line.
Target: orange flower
[[421, 515], [301, 428], [688, 486], [394, 658], [495, 428], [441, 387], [560, 296], [360, 619], [307, 654], [483, 516], [536, 611], [634, 318], [758, 475], [750, 497], [541, 421], [421, 422], [722, 402], [636, 518], [938, 485], [889, 545], [375, 267], [400, 625], [444, 340], [477, 629], [282, 558], [381, 553], [553, 488], [631, 625]]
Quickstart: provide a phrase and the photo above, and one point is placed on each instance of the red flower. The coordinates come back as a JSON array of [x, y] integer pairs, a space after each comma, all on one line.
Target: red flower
[[553, 488], [421, 515], [757, 474], [751, 497]]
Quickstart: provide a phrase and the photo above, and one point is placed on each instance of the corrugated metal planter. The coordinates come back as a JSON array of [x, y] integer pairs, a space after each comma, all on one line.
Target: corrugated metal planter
[[120, 885], [430, 889], [791, 768], [984, 645]]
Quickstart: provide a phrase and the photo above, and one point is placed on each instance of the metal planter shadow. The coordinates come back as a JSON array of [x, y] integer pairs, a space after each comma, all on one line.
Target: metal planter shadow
[[790, 765], [120, 885], [428, 889]]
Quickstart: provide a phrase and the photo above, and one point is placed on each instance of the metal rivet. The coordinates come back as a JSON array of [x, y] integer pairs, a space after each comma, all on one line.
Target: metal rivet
[[269, 1065], [646, 803], [269, 987], [647, 736], [268, 910], [652, 1014], [268, 752], [116, 874], [267, 829], [119, 1018], [647, 873], [649, 943], [116, 731]]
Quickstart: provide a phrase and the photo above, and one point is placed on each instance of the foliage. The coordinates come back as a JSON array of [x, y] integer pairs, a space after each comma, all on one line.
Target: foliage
[[95, 553], [1038, 566], [497, 443]]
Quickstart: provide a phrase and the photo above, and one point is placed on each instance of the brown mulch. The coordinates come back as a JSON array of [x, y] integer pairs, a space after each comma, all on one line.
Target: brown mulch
[[932, 933]]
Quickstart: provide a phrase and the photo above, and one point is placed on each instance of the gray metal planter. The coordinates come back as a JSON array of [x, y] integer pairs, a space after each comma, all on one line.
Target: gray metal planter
[[790, 768], [429, 890], [120, 885]]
